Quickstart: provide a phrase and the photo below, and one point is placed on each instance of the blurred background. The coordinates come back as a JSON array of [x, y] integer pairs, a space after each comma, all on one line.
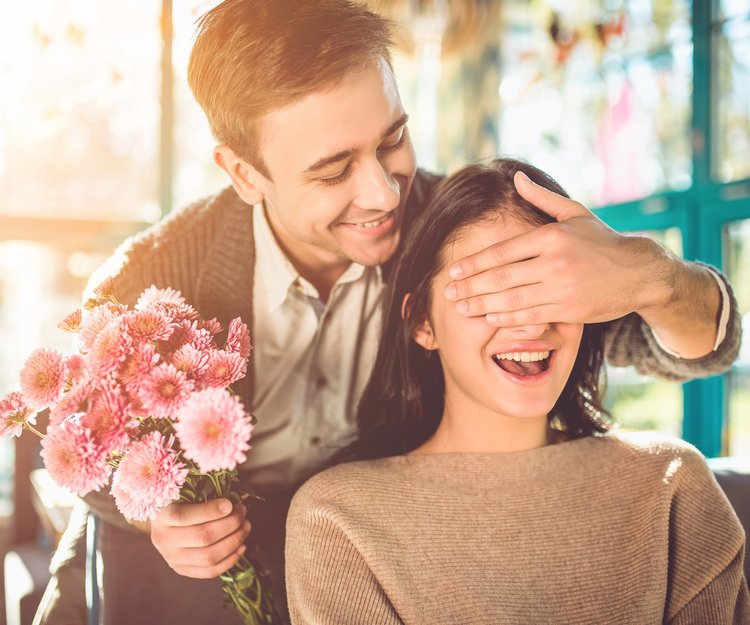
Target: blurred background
[[640, 108]]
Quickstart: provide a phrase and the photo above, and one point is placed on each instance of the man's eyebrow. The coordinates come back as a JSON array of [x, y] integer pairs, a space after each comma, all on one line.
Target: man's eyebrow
[[324, 162]]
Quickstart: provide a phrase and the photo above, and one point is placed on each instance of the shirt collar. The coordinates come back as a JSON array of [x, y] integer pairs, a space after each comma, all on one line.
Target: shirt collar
[[276, 271]]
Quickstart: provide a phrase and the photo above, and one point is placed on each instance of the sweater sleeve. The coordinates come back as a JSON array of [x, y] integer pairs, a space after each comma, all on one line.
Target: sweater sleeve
[[328, 581], [706, 549], [630, 341]]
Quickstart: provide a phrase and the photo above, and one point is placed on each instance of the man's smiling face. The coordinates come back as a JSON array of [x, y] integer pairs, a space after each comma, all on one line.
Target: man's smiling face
[[341, 165]]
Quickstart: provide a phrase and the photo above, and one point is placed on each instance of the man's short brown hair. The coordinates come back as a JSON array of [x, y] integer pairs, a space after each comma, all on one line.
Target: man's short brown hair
[[253, 56]]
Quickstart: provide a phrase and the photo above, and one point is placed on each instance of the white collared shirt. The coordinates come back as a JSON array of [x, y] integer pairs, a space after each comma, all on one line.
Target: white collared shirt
[[311, 360]]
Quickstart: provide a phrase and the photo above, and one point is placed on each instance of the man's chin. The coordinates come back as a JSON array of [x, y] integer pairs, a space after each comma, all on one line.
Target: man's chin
[[376, 254]]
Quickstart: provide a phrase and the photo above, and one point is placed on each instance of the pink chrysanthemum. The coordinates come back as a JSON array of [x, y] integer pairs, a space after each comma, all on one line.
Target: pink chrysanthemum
[[188, 333], [153, 295], [72, 322], [110, 349], [238, 338], [212, 326], [149, 477], [76, 369], [149, 325], [176, 312], [190, 360], [224, 368], [73, 458], [109, 419], [14, 415], [106, 289], [75, 400], [43, 378], [214, 430], [95, 322], [165, 390], [138, 365]]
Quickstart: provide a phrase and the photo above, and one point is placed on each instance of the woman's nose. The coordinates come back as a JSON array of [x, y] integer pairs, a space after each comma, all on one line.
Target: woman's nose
[[530, 331]]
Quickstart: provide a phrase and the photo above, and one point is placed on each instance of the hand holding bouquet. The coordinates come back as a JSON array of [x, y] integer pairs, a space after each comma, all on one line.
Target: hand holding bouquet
[[146, 402]]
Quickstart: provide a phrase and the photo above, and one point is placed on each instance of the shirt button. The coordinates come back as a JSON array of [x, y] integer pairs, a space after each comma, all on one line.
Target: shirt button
[[315, 440]]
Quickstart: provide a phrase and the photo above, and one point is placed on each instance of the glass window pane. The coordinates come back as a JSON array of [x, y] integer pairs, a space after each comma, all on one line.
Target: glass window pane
[[642, 403], [731, 8], [32, 302], [195, 173], [738, 269], [732, 126], [79, 129], [599, 94]]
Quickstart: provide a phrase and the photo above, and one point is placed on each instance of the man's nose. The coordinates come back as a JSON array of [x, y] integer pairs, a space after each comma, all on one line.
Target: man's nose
[[378, 190]]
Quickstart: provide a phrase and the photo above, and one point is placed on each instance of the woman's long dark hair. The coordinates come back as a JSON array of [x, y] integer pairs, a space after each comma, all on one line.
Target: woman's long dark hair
[[403, 402]]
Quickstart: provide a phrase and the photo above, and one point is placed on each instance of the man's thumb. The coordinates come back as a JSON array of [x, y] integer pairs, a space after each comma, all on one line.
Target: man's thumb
[[557, 206]]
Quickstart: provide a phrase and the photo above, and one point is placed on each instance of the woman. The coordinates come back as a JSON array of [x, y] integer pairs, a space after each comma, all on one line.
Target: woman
[[489, 489]]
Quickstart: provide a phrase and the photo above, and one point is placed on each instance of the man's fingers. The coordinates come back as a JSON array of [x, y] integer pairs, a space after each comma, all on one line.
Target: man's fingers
[[496, 280], [212, 555], [209, 572], [205, 534], [539, 315], [514, 250], [510, 300], [557, 206], [186, 514]]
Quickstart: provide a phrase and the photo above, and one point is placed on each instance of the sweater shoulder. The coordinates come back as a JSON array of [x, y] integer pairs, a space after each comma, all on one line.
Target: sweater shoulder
[[666, 455], [338, 487], [149, 256]]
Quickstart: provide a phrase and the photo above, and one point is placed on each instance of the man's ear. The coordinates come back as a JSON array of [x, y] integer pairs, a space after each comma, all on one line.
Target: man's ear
[[246, 180]]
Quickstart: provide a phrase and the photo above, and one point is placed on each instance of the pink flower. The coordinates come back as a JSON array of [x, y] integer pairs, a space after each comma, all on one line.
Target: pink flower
[[109, 418], [191, 361], [99, 318], [138, 365], [164, 390], [238, 339], [76, 369], [73, 458], [188, 332], [72, 323], [106, 289], [214, 430], [76, 400], [224, 368], [149, 477], [149, 325], [212, 326], [43, 378], [14, 415], [110, 349], [152, 295]]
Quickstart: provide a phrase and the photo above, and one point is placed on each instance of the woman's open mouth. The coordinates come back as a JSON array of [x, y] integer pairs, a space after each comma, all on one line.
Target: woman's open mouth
[[524, 364]]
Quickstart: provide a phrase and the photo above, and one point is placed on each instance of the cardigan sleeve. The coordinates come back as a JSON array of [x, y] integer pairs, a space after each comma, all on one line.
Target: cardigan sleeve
[[706, 549], [630, 341], [328, 582]]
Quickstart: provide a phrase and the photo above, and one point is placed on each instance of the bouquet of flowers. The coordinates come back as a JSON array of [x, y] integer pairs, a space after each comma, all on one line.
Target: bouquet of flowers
[[146, 404]]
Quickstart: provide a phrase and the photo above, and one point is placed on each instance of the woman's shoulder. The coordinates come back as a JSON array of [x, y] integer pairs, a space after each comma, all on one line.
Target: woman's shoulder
[[350, 480], [653, 453]]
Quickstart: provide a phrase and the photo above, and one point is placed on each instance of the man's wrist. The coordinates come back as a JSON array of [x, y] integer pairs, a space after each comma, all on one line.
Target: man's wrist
[[661, 278]]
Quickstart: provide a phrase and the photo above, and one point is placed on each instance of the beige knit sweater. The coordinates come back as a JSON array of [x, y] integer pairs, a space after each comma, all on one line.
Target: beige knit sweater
[[626, 529]]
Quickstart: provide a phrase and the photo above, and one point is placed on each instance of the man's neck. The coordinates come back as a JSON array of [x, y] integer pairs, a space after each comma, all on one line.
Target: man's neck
[[321, 272]]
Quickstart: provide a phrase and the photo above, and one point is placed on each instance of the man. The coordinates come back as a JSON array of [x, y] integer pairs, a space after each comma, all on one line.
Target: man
[[302, 99]]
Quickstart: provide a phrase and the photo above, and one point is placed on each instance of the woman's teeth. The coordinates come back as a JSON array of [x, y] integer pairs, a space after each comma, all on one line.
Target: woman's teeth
[[522, 356]]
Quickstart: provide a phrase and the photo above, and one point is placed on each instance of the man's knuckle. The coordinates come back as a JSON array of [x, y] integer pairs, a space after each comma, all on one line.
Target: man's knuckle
[[515, 299]]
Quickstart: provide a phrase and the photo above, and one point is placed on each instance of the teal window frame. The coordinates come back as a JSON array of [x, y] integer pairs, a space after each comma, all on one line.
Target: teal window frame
[[701, 213]]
